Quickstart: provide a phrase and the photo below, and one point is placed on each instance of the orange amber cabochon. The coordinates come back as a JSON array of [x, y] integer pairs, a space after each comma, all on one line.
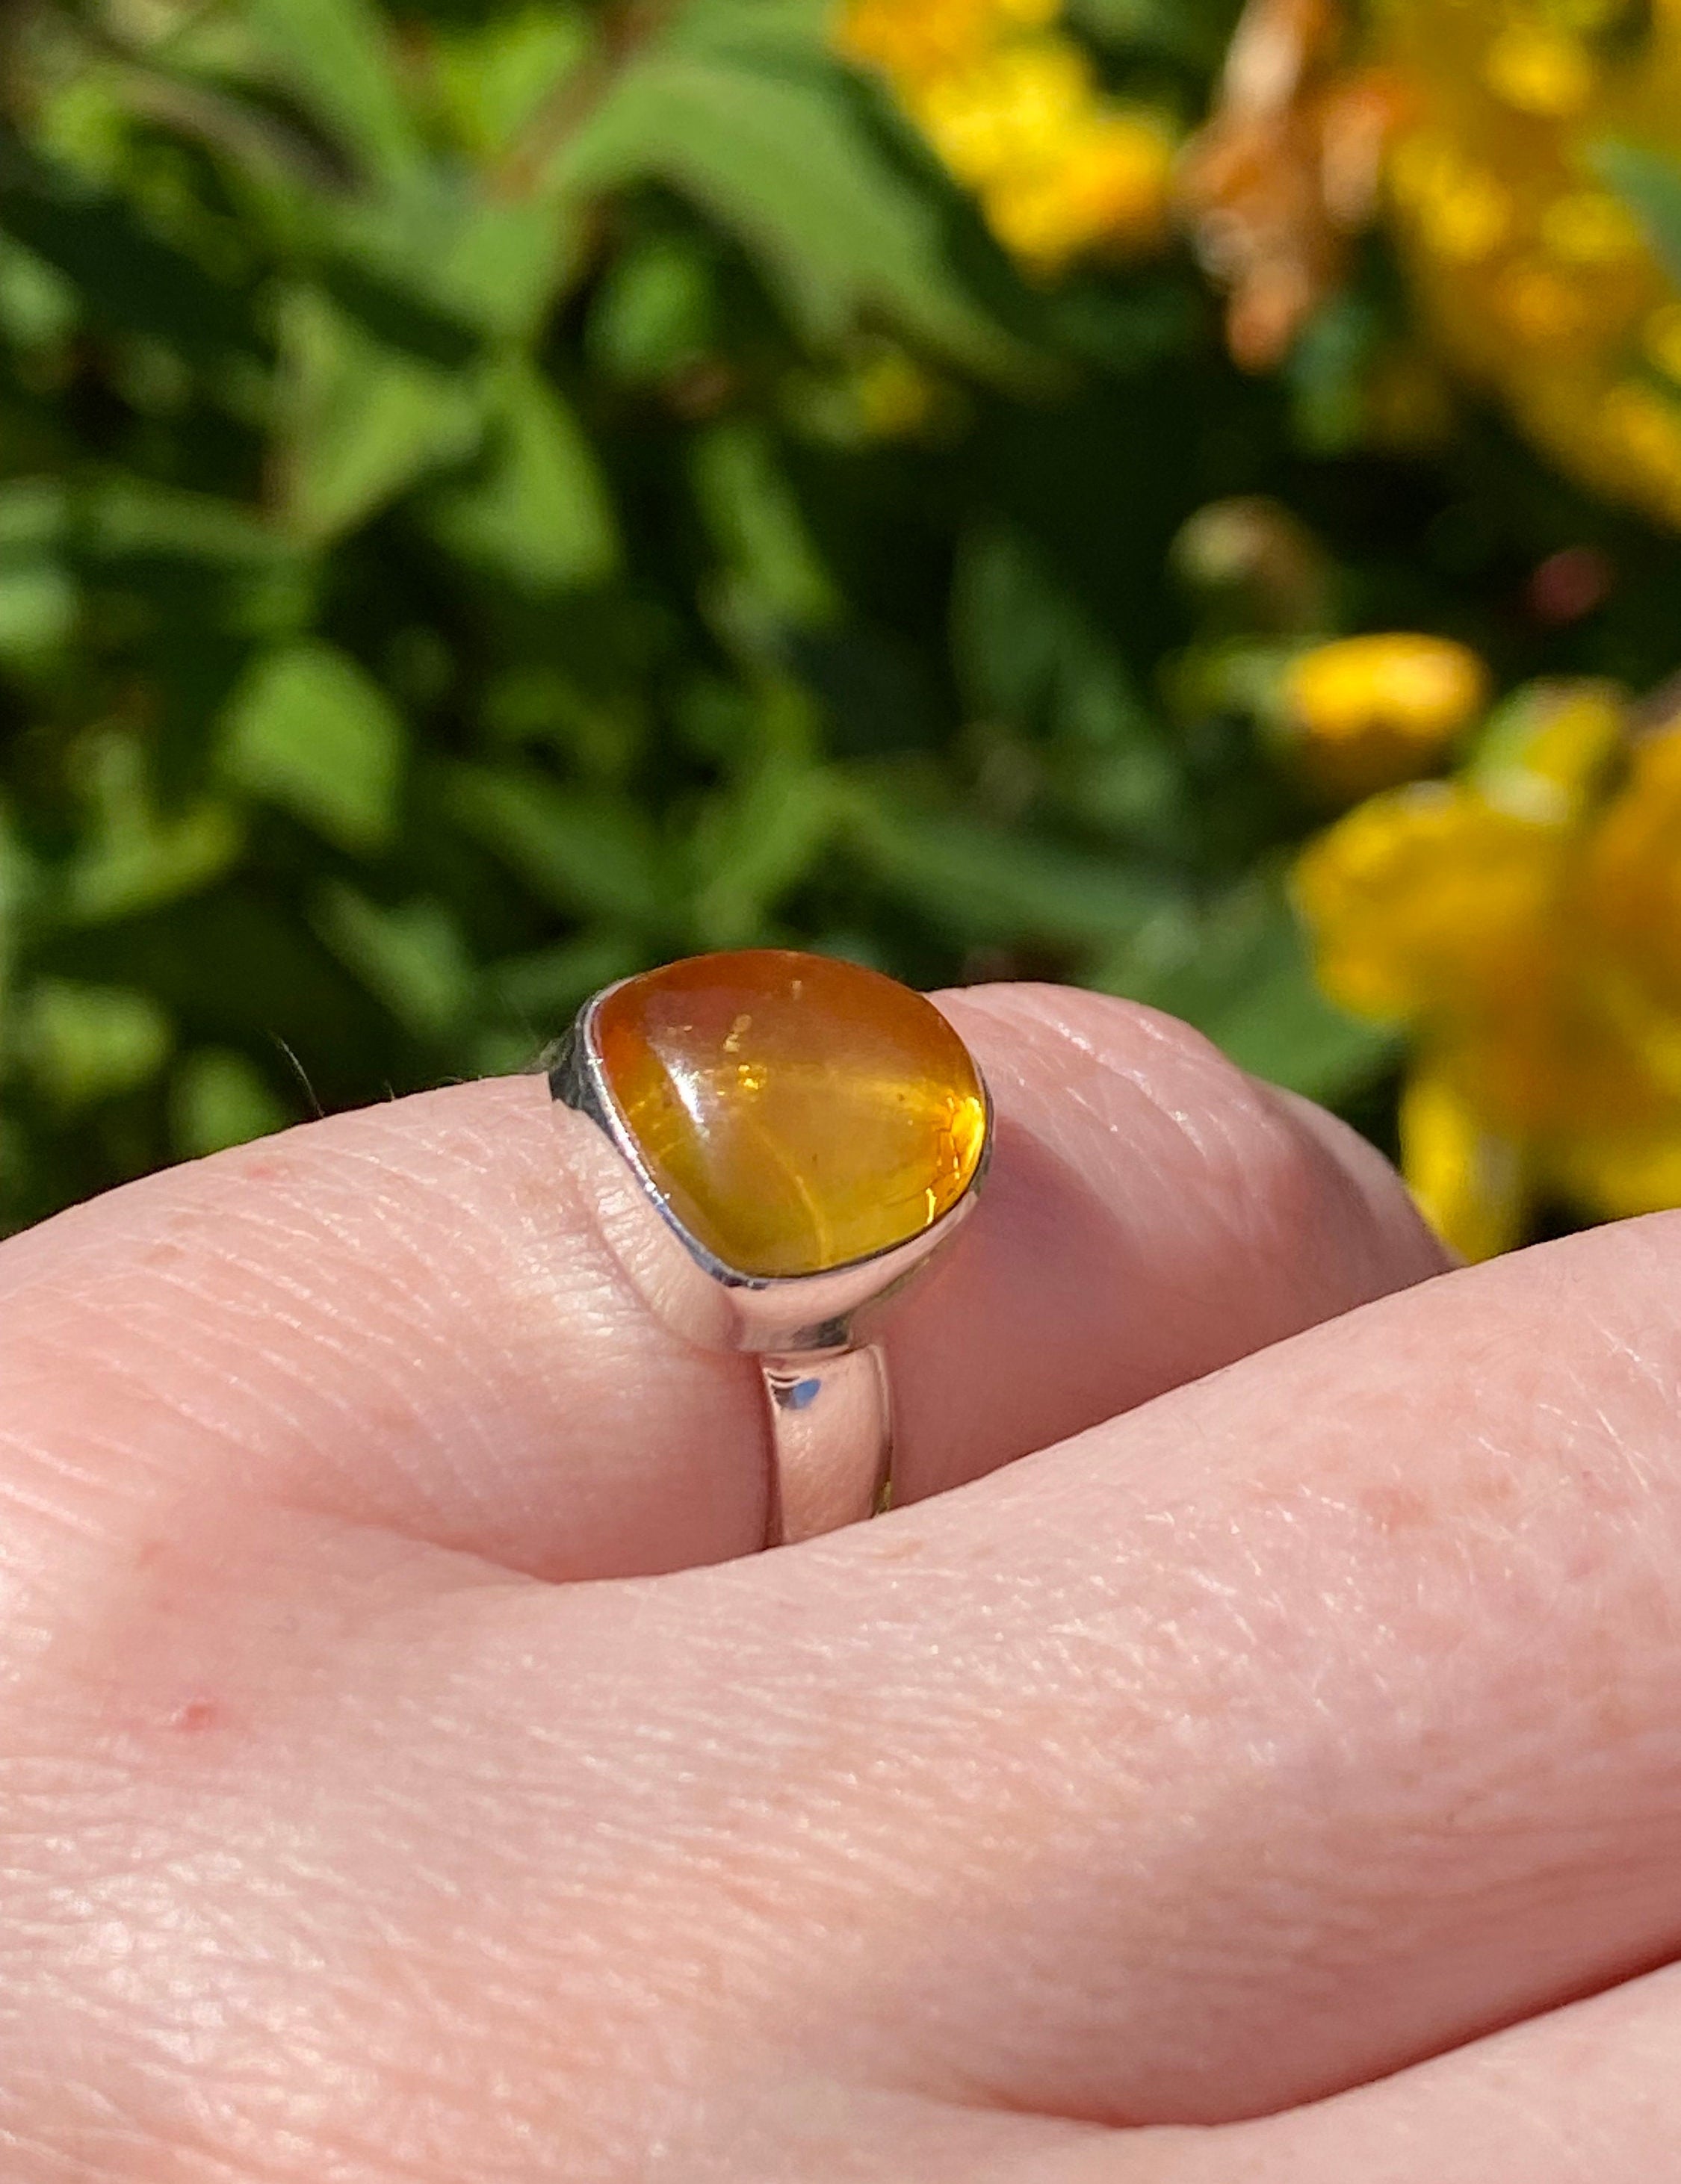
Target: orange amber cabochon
[[794, 1112]]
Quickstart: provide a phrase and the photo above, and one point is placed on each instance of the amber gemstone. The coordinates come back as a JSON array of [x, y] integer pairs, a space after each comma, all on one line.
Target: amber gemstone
[[795, 1113]]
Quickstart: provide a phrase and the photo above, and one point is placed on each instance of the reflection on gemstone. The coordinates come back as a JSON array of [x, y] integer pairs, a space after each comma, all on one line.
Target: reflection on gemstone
[[795, 1113]]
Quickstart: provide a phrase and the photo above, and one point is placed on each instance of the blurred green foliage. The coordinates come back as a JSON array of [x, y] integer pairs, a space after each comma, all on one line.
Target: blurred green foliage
[[451, 555]]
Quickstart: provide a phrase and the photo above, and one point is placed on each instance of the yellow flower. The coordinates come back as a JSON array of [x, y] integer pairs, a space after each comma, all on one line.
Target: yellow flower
[[1633, 880], [1470, 1184], [1010, 103], [1363, 712], [1538, 70], [1009, 111], [1524, 924], [1396, 891], [1536, 278], [1587, 227], [1107, 183], [1466, 216], [915, 41]]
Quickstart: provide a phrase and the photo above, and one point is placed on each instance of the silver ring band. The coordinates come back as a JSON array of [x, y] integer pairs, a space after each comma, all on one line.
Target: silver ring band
[[831, 1451]]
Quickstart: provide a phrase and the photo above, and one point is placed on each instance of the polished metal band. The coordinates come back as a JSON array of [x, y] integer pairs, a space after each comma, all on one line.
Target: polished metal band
[[831, 1441]]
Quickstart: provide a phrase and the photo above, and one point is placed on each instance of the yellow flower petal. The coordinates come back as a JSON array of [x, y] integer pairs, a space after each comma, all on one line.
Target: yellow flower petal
[[1011, 113], [1013, 107], [1539, 284], [1107, 183], [1370, 711], [1471, 1184], [1539, 70], [1421, 898], [1632, 883], [1467, 217], [1589, 228], [1615, 1174], [1547, 752]]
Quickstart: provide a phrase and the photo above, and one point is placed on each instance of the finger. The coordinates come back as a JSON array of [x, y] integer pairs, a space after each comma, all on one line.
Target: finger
[[408, 1316], [1316, 1716], [408, 1891], [1151, 1214], [1586, 2094]]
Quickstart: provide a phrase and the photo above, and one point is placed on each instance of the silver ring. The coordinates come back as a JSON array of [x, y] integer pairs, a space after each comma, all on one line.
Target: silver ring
[[795, 1139]]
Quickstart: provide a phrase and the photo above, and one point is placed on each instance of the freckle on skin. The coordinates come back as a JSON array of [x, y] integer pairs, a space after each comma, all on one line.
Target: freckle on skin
[[1495, 1489], [1393, 1507], [195, 1715], [1483, 1490], [1617, 1719]]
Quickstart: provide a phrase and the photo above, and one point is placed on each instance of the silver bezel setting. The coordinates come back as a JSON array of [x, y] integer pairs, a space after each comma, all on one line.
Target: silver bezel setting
[[782, 1315]]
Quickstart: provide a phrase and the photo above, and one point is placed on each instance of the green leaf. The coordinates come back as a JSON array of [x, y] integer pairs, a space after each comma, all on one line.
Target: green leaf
[[759, 843], [178, 856], [39, 307], [1329, 369], [134, 519], [311, 731], [786, 162], [442, 270], [126, 275], [363, 420], [410, 955], [981, 882], [783, 34], [218, 1099], [34, 515], [656, 311], [249, 972], [148, 538], [534, 513], [1191, 33], [581, 852], [506, 262], [83, 1043], [544, 988], [495, 75], [397, 312], [39, 599], [39, 604], [750, 508], [220, 561], [337, 55], [17, 882], [1027, 654], [1240, 972]]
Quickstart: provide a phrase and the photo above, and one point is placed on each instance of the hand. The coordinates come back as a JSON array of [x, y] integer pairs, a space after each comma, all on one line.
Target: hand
[[1272, 1728]]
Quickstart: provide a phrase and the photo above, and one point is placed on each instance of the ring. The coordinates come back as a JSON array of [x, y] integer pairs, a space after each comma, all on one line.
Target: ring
[[810, 1135]]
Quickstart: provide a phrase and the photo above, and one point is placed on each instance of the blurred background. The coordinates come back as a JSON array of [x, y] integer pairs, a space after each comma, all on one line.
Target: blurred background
[[1181, 498]]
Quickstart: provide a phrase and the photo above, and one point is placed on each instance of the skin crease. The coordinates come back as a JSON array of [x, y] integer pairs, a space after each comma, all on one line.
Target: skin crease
[[1253, 1755]]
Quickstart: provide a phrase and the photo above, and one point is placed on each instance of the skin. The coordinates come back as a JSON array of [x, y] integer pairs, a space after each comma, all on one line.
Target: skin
[[1252, 1757]]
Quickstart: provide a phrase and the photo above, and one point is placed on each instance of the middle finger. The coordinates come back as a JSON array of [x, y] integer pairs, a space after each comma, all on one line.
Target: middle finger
[[1313, 1719]]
